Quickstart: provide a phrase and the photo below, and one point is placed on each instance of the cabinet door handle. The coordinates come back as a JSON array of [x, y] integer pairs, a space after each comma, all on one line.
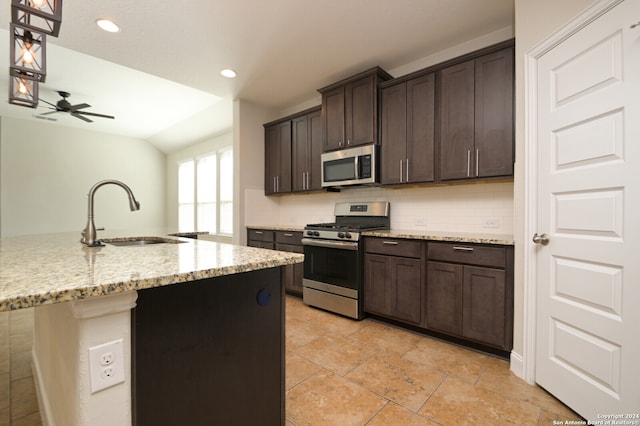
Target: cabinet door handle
[[390, 243], [288, 235], [258, 232], [401, 161], [468, 163], [274, 184], [407, 180], [308, 180], [459, 248], [477, 162]]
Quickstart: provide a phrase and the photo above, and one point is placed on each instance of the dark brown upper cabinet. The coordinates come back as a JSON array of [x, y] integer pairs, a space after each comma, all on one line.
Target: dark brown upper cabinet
[[407, 123], [476, 117], [277, 158], [350, 110], [307, 143], [293, 146]]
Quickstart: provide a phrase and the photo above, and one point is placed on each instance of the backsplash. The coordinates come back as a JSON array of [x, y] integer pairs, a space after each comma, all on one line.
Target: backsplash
[[482, 208]]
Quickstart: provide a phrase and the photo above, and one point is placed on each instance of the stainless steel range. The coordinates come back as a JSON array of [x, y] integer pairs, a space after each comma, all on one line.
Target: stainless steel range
[[333, 257]]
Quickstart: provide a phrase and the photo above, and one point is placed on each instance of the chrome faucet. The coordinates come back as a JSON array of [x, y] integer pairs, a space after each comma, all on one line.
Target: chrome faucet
[[89, 233]]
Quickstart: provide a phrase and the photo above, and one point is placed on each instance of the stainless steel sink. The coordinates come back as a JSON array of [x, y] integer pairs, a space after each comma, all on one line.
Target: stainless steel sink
[[139, 241]]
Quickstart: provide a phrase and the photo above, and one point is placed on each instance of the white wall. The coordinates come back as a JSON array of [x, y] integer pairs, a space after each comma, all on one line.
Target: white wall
[[47, 170], [535, 21], [248, 161], [211, 144], [456, 208]]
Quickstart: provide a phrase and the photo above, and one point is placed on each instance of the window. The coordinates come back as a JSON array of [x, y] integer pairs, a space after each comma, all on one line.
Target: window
[[205, 193]]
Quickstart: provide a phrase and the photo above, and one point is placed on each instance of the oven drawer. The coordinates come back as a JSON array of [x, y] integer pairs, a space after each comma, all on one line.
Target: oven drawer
[[261, 235], [393, 247], [469, 254], [289, 237]]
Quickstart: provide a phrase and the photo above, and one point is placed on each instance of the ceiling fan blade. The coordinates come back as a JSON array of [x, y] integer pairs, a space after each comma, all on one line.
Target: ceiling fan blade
[[47, 113], [47, 102], [76, 115], [79, 106], [94, 114]]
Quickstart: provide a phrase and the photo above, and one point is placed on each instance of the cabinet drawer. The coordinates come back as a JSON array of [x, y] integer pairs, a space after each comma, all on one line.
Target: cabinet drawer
[[260, 244], [260, 235], [470, 254], [394, 247], [289, 237], [291, 248]]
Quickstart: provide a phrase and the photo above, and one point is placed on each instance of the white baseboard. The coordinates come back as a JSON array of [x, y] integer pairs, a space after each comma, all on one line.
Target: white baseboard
[[43, 400], [517, 365]]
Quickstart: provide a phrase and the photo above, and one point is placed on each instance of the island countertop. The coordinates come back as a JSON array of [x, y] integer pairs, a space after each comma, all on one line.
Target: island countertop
[[52, 268]]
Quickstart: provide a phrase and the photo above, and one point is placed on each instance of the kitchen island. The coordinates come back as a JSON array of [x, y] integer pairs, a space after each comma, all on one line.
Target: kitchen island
[[189, 313]]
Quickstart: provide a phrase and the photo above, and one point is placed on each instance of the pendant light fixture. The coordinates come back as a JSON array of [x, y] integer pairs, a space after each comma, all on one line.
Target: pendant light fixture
[[28, 53], [44, 16], [31, 22], [23, 92]]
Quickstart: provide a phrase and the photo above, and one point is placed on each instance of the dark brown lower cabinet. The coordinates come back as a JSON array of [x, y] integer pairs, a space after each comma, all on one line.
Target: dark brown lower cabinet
[[473, 297], [393, 281], [467, 301], [460, 290], [444, 297], [292, 274], [289, 241], [484, 310], [210, 352]]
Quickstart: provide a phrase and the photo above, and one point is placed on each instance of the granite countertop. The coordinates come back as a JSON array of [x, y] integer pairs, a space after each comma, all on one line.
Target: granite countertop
[[289, 228], [456, 237], [53, 268]]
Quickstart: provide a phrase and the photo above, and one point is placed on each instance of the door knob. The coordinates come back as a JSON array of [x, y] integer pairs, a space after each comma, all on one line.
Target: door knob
[[541, 239]]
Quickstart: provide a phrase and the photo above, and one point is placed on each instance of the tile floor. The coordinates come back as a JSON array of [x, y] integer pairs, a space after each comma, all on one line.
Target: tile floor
[[18, 403], [344, 372]]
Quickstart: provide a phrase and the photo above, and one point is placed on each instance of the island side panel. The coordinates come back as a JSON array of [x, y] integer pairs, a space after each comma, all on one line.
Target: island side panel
[[210, 352]]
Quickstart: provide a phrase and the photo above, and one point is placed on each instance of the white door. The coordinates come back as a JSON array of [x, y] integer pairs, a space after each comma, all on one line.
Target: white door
[[588, 165]]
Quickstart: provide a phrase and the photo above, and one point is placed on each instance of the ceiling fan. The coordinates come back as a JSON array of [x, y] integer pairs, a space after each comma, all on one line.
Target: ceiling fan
[[63, 105]]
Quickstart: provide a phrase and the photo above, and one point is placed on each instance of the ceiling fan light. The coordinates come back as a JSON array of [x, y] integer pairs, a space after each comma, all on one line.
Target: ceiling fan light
[[229, 73], [39, 15], [107, 25], [23, 92]]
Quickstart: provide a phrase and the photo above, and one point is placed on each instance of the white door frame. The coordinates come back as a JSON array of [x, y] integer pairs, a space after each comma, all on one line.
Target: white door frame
[[530, 174]]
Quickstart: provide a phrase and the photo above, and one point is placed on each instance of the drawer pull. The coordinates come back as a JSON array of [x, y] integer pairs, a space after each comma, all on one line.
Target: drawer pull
[[288, 235], [258, 232], [390, 243], [459, 248]]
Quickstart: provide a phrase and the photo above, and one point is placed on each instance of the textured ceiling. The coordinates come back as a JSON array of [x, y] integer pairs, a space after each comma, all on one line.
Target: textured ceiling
[[165, 62]]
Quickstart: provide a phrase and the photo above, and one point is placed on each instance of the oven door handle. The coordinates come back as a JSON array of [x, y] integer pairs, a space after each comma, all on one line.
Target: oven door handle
[[344, 245]]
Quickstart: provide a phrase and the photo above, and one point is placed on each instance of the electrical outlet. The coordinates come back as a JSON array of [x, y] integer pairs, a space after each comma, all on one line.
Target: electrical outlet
[[106, 358], [106, 365], [492, 223]]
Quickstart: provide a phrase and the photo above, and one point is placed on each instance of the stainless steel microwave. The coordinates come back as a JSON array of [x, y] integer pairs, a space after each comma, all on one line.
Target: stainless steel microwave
[[352, 166]]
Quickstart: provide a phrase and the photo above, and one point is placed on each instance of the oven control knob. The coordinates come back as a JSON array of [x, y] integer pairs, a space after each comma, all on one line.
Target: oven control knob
[[347, 235], [340, 234], [310, 233], [316, 233]]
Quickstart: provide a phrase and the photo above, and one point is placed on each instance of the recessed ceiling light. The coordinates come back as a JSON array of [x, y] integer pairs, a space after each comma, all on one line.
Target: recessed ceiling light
[[108, 25], [229, 73]]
